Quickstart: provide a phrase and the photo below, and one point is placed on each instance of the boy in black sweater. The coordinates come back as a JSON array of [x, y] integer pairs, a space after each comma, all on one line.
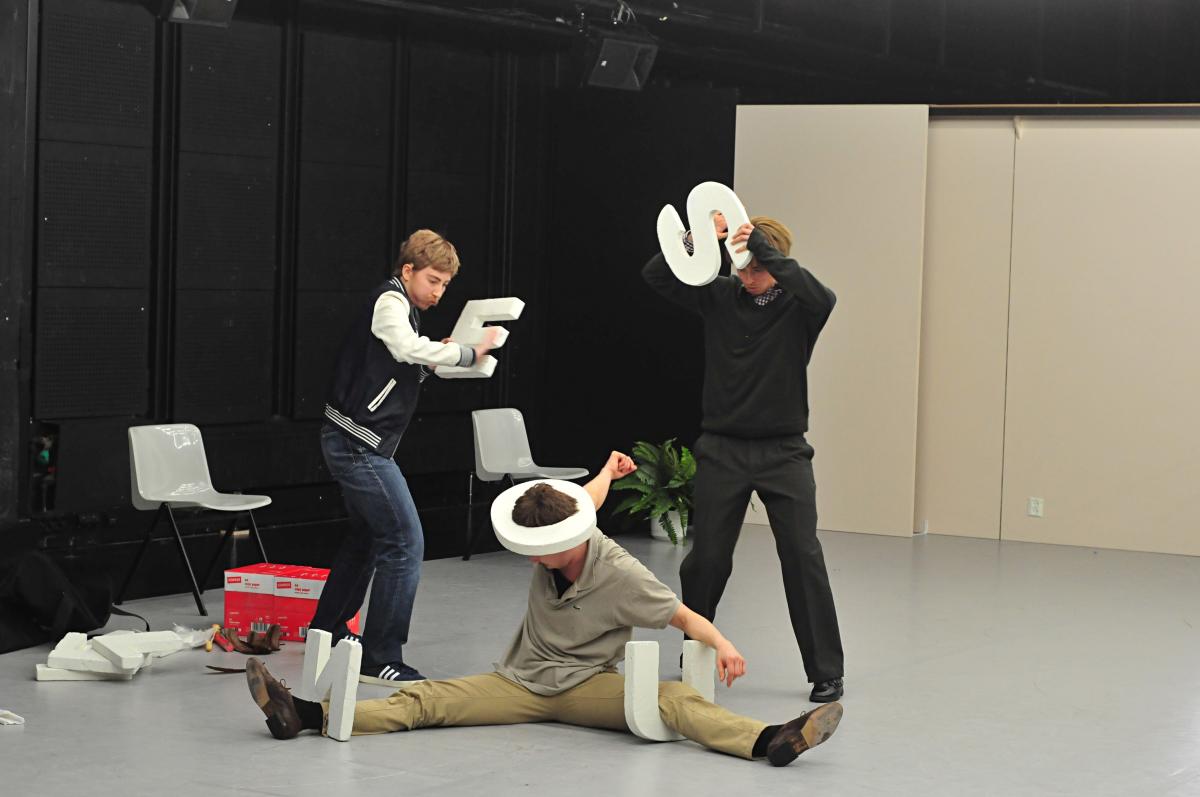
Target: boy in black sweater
[[760, 328]]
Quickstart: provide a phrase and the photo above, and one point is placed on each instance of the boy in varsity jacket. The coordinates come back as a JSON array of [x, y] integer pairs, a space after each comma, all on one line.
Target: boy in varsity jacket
[[376, 382]]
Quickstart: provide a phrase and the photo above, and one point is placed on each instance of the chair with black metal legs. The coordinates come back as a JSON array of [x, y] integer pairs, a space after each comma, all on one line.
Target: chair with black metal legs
[[502, 452], [168, 470]]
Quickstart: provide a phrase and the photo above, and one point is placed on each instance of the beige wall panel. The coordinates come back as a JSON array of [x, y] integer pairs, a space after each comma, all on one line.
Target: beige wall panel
[[964, 327], [1103, 410], [850, 182]]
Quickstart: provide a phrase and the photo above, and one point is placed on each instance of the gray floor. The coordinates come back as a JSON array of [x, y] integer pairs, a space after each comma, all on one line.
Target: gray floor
[[974, 667]]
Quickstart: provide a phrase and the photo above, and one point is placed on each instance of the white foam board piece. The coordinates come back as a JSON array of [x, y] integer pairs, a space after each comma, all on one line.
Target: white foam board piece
[[48, 673], [138, 649], [75, 652]]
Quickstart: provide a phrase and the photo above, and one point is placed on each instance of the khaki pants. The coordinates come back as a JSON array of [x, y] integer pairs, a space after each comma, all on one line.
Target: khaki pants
[[598, 702]]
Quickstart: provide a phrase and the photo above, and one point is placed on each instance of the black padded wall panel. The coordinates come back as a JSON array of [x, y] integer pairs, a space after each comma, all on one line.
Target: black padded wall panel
[[93, 465], [94, 216], [97, 72], [322, 318], [262, 456], [457, 206], [226, 222], [455, 395], [595, 274], [450, 110], [343, 232], [346, 102], [224, 344], [229, 89], [90, 353], [437, 444]]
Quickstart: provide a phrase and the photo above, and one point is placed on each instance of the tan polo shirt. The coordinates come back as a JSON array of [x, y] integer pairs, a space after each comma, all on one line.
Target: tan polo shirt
[[564, 641]]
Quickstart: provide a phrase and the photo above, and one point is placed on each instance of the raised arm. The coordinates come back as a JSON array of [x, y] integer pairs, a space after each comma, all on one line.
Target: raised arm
[[618, 466], [791, 276], [730, 664], [658, 275]]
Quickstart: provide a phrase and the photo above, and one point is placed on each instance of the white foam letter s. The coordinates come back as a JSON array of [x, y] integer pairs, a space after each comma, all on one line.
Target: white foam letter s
[[705, 200]]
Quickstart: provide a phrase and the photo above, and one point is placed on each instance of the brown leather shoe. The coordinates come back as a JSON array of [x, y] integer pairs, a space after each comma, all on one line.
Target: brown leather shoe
[[274, 699], [803, 733], [232, 635], [273, 637]]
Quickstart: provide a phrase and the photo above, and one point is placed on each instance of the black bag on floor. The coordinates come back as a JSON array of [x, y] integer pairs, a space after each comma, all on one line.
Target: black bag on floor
[[40, 601]]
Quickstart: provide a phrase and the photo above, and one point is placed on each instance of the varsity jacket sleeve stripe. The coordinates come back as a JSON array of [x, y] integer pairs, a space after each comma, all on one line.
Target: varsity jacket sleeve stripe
[[391, 325]]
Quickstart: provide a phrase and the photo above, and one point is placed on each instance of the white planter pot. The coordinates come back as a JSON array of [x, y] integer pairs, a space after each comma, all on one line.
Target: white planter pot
[[659, 532]]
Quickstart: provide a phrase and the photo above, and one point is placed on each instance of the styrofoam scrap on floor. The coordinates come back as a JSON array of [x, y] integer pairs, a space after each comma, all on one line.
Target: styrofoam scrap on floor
[[75, 652], [144, 641], [47, 673], [133, 650]]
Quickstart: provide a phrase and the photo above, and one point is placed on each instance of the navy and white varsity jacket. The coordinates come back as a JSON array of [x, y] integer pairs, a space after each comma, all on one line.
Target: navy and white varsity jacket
[[380, 367]]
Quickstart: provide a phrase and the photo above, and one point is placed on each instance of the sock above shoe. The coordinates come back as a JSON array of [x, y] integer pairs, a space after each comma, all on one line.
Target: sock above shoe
[[764, 740], [312, 716]]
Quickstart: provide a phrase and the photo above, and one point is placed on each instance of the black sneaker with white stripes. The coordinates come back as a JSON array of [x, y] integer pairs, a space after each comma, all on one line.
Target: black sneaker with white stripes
[[345, 633], [396, 674]]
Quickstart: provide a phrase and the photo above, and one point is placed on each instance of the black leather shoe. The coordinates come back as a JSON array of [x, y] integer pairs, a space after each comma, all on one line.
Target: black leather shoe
[[803, 733], [274, 699], [826, 691]]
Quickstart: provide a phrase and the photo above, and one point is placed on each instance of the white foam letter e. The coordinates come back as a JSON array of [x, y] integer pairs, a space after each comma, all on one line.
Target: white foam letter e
[[705, 200], [469, 332]]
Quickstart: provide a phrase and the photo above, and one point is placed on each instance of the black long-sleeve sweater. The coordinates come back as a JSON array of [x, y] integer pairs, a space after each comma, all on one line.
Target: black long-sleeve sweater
[[756, 357]]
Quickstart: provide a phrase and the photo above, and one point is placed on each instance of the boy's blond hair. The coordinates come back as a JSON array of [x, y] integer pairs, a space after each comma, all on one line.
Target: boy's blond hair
[[427, 249], [776, 231]]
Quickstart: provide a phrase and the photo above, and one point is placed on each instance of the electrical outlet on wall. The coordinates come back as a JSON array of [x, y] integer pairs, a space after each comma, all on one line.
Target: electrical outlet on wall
[[1036, 507]]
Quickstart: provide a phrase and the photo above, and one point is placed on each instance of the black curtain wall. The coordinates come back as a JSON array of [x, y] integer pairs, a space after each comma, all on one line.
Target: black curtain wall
[[205, 207]]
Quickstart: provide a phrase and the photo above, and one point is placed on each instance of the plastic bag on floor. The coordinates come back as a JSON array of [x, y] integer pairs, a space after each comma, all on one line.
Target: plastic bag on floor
[[194, 637]]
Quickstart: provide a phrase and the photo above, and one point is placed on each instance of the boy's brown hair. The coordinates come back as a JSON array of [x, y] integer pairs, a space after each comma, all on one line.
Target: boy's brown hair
[[542, 505], [427, 249], [777, 233]]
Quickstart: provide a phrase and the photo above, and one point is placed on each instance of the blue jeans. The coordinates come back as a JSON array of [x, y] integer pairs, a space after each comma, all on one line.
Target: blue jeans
[[385, 539]]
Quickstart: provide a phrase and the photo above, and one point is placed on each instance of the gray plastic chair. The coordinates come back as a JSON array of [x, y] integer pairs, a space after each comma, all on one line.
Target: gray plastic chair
[[502, 452], [168, 469]]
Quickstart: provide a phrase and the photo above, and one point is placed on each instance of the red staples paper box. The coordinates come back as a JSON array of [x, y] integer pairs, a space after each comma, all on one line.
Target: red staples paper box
[[296, 605], [249, 598], [298, 602], [288, 612]]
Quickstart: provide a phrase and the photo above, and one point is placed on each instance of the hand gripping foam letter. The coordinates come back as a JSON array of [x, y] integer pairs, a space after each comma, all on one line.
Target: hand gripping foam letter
[[703, 202], [469, 331]]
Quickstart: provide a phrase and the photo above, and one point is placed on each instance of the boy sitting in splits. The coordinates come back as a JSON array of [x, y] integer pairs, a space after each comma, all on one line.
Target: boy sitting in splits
[[586, 596]]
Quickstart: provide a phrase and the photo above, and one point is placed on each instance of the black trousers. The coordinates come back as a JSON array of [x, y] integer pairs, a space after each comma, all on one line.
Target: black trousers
[[780, 470]]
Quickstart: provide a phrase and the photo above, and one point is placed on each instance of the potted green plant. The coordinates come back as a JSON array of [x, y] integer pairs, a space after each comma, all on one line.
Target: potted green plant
[[663, 487]]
